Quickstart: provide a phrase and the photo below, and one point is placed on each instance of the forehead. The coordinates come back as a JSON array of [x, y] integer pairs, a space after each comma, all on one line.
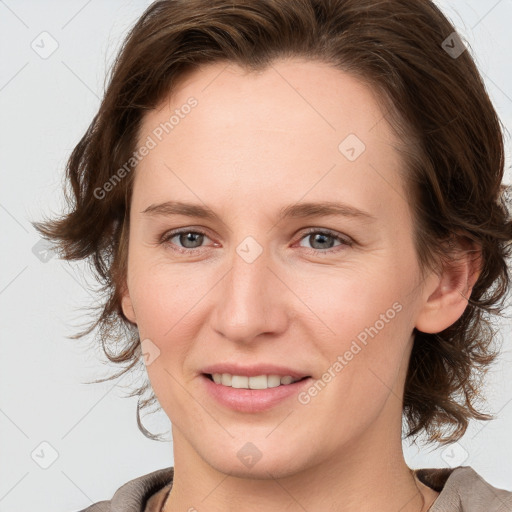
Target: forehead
[[284, 127], [283, 96]]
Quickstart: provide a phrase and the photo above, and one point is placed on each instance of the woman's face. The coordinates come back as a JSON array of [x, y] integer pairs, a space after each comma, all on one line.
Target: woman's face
[[265, 285]]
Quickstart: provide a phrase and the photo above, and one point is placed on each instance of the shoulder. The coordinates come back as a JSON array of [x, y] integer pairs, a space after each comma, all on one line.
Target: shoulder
[[462, 489], [134, 495]]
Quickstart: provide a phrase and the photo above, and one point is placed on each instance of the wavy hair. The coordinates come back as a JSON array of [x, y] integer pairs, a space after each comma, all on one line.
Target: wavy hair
[[433, 97]]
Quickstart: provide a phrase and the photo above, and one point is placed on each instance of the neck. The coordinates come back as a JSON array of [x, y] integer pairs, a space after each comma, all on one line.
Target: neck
[[366, 476]]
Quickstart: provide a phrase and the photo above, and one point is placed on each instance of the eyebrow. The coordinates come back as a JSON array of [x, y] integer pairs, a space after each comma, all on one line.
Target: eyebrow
[[297, 210]]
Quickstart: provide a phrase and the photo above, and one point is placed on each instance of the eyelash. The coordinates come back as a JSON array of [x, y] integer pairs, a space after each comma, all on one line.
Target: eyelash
[[165, 239]]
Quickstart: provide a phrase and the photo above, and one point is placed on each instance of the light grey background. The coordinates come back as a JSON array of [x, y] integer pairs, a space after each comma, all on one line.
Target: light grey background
[[45, 106]]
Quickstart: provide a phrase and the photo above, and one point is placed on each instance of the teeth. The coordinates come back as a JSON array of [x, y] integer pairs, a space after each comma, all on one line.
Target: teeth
[[257, 382], [273, 381], [238, 381], [225, 379]]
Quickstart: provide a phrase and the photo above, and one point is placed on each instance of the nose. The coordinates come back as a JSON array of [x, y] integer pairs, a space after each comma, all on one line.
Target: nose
[[251, 300]]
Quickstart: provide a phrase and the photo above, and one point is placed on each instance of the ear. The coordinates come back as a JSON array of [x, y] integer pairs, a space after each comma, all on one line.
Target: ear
[[446, 294], [127, 306]]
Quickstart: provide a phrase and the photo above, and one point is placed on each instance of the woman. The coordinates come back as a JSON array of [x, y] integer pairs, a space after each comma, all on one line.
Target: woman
[[297, 211]]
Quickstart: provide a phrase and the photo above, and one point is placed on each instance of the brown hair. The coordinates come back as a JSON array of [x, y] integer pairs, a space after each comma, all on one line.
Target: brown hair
[[435, 99]]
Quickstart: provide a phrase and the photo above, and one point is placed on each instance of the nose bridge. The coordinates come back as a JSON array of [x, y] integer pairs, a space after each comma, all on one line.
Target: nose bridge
[[249, 300]]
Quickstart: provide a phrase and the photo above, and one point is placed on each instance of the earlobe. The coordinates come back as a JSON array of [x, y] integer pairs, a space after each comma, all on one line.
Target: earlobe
[[447, 296], [127, 307]]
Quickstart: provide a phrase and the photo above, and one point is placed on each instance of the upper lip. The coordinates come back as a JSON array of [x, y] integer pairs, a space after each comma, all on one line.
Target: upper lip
[[254, 370]]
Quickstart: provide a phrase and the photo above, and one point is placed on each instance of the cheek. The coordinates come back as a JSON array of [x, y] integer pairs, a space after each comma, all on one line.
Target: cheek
[[370, 320], [357, 304], [169, 306], [164, 302], [163, 296], [363, 374]]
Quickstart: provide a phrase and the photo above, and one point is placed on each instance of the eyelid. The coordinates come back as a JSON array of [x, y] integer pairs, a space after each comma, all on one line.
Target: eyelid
[[345, 240], [165, 238], [325, 231]]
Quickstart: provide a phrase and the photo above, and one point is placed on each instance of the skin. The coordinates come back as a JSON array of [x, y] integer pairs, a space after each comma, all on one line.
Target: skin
[[255, 143]]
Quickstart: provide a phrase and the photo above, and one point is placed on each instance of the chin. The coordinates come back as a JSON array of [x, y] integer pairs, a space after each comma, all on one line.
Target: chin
[[257, 460], [262, 470]]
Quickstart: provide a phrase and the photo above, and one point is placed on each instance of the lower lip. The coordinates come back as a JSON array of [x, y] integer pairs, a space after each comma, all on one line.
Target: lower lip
[[252, 400]]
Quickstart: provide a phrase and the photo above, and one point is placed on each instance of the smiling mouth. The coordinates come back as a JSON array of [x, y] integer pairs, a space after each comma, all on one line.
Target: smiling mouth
[[258, 382]]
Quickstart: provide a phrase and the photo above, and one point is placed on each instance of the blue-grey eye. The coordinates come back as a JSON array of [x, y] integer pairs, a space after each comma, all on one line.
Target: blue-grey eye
[[190, 239], [321, 240]]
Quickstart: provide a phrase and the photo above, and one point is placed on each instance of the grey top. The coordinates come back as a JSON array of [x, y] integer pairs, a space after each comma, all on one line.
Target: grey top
[[461, 489]]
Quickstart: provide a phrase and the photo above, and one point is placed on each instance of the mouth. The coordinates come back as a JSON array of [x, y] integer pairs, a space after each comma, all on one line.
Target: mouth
[[256, 382], [255, 393]]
